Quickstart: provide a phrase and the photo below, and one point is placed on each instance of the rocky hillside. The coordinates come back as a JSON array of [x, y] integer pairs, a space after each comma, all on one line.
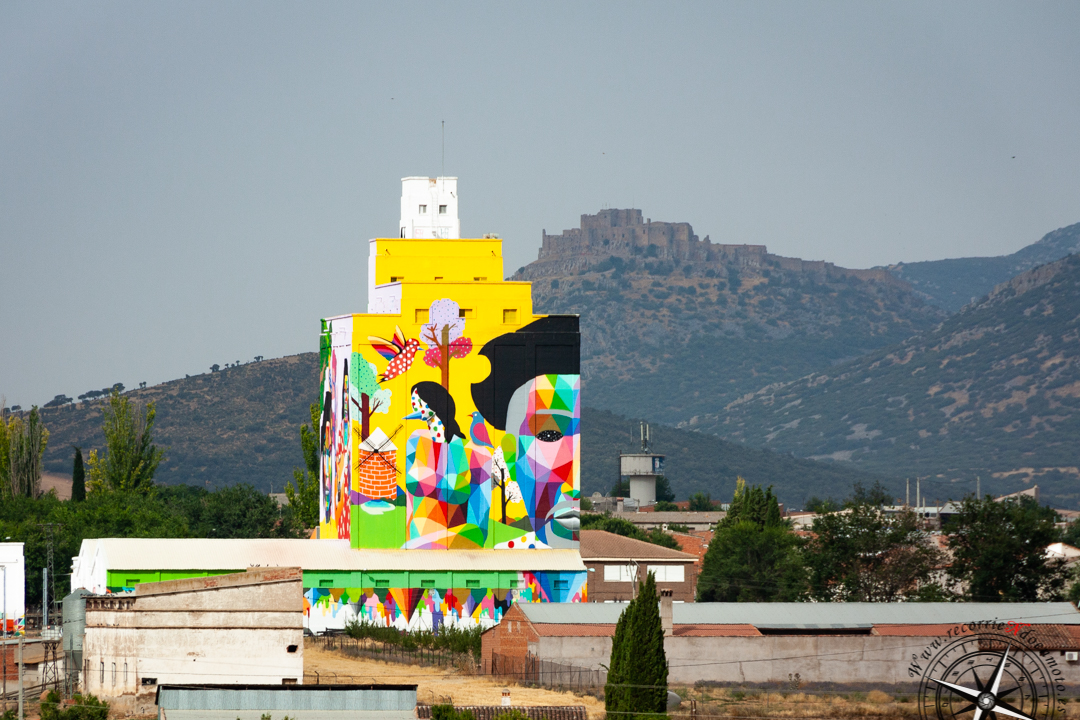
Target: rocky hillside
[[952, 284], [242, 424], [675, 327], [994, 391]]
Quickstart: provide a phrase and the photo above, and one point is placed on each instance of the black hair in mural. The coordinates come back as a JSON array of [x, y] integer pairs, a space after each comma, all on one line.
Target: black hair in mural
[[442, 403], [548, 346], [325, 441]]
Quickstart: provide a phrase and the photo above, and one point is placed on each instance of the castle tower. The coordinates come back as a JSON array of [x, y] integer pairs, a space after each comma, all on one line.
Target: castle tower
[[429, 208]]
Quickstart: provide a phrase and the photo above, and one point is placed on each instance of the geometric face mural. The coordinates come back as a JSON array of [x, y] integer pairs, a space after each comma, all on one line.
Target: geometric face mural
[[428, 444]]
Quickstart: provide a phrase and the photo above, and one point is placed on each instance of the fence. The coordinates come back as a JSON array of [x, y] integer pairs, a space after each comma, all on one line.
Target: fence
[[537, 712], [531, 670], [377, 650]]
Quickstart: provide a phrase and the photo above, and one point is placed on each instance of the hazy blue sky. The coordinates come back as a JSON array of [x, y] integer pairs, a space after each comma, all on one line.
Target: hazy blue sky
[[186, 184]]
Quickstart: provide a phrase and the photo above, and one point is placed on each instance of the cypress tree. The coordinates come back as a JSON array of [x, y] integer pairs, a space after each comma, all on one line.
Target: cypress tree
[[638, 669], [647, 666], [616, 677], [78, 477]]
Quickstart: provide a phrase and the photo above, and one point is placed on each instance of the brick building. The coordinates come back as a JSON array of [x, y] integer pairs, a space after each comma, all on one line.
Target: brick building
[[614, 562]]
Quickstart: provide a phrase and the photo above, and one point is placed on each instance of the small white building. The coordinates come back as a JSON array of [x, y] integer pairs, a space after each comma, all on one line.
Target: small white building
[[429, 208], [244, 628], [12, 587]]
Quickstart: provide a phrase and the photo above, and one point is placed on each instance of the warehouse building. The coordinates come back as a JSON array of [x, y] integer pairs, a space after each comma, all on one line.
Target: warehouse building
[[228, 629], [617, 563], [771, 642]]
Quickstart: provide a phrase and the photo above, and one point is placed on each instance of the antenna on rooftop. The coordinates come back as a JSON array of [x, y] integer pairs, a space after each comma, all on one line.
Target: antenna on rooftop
[[443, 173]]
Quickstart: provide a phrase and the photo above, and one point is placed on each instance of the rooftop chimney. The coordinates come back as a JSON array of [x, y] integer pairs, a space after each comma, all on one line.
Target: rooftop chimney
[[666, 613]]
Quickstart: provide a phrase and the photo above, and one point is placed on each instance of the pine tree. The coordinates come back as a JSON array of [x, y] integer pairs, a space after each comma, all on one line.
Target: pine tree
[[78, 477]]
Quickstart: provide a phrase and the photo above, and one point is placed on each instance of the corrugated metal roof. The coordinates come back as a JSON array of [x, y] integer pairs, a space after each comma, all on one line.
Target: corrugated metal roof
[[816, 615], [396, 701], [239, 554]]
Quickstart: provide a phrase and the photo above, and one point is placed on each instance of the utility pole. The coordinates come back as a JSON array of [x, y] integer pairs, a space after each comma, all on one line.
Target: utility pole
[[918, 494], [22, 640], [978, 488], [3, 708], [48, 572], [907, 492]]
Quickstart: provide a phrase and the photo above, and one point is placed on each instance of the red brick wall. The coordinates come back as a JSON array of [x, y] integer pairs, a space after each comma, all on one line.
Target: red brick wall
[[377, 479], [510, 637]]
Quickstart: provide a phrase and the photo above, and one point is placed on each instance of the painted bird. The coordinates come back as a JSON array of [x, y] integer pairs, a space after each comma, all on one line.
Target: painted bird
[[399, 351], [429, 399], [478, 431]]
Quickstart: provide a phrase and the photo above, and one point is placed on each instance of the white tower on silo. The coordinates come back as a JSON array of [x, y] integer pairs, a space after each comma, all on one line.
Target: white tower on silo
[[642, 469], [429, 208]]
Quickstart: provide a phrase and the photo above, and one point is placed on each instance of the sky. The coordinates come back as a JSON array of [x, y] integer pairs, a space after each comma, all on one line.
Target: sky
[[184, 184]]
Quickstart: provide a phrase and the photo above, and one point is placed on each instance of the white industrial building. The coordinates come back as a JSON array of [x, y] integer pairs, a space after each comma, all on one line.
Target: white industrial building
[[243, 628]]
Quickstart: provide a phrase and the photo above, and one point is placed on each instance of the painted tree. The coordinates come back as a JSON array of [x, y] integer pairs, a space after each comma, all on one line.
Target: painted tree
[[130, 458], [443, 336], [366, 393]]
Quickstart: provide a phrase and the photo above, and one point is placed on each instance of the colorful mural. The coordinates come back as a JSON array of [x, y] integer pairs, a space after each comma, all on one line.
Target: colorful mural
[[476, 448], [430, 608], [492, 449]]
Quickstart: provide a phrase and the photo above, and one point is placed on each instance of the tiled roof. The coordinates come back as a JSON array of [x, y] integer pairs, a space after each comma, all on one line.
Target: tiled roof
[[560, 630], [602, 545], [608, 630], [808, 616], [671, 518], [715, 631]]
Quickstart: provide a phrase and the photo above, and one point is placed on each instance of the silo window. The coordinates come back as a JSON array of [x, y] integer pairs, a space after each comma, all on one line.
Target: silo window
[[562, 585], [509, 316], [442, 209], [291, 648], [326, 583], [125, 674], [472, 583], [102, 680], [427, 583], [423, 209], [114, 673]]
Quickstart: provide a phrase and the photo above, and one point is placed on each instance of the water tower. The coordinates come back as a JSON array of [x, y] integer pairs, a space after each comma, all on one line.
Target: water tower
[[642, 469]]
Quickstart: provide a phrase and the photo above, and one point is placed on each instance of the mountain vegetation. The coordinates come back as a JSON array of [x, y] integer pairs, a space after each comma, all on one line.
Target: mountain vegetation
[[952, 284], [993, 392], [243, 425], [674, 328]]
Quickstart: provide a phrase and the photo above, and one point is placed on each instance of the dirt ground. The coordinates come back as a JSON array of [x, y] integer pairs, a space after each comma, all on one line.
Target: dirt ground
[[434, 684]]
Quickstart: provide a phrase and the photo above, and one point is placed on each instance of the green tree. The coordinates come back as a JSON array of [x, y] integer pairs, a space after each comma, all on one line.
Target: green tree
[[701, 502], [304, 495], [999, 548], [78, 477], [618, 526], [130, 458], [638, 669], [665, 506], [754, 555], [862, 554], [237, 511], [22, 445], [664, 493], [621, 488]]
